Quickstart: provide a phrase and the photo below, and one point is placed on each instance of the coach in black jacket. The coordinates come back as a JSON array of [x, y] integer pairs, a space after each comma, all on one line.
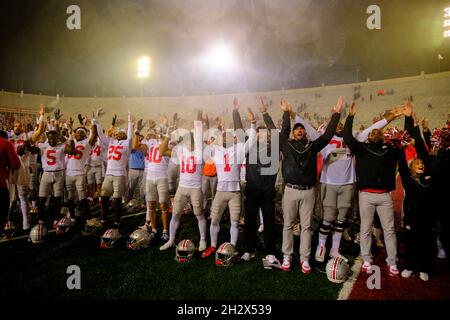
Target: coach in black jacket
[[261, 175], [375, 178], [300, 176]]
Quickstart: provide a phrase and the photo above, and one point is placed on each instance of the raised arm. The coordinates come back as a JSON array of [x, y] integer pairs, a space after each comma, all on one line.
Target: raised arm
[[349, 139], [325, 138], [40, 130], [252, 132], [164, 147], [237, 122]]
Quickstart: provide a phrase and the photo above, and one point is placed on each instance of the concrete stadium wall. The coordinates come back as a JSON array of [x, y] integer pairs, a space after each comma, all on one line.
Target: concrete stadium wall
[[425, 89]]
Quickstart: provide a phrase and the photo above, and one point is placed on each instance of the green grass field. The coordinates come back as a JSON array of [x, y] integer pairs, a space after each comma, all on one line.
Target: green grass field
[[39, 271]]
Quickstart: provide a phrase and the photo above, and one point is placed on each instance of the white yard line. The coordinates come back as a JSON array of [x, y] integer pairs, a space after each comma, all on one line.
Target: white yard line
[[348, 285]]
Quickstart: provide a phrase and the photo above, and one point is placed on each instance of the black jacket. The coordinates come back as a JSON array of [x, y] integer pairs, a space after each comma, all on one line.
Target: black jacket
[[300, 158], [375, 164], [417, 202], [258, 183]]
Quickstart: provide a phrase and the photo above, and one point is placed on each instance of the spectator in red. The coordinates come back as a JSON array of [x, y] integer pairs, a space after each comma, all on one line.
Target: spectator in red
[[8, 160]]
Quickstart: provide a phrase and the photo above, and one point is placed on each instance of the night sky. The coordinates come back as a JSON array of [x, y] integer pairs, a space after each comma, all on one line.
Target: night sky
[[279, 44]]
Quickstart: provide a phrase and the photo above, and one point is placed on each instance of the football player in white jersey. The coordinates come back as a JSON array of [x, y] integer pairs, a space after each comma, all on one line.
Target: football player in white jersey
[[189, 154], [80, 149], [337, 181], [22, 142], [157, 184], [95, 171], [53, 164], [228, 158], [119, 148]]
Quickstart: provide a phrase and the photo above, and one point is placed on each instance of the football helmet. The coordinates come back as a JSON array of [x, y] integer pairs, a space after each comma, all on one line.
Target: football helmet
[[64, 225], [38, 233], [139, 239], [225, 255], [93, 227], [133, 204], [185, 251], [110, 238], [337, 269], [9, 230]]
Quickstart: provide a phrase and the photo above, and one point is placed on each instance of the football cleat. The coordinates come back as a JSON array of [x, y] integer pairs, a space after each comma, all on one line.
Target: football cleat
[[366, 267], [167, 245], [393, 271], [286, 266], [208, 252], [305, 267], [270, 262], [320, 253], [202, 245]]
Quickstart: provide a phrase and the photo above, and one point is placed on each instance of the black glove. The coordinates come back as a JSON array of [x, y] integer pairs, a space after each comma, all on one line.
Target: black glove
[[80, 118], [58, 114], [140, 125]]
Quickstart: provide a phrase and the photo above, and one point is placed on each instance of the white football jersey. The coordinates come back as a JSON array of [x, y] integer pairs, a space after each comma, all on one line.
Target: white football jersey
[[97, 155], [338, 167], [76, 163], [191, 167], [52, 157], [228, 165], [156, 164], [118, 155], [18, 141]]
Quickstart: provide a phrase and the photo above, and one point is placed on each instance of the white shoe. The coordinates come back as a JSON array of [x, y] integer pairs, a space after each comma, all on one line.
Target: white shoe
[[202, 245], [270, 261], [320, 253], [305, 267], [393, 270], [424, 276], [247, 256], [406, 273], [166, 246], [286, 266], [441, 254], [261, 228]]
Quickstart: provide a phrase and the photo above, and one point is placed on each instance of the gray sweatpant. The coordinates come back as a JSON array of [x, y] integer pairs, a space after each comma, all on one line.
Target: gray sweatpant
[[298, 203], [382, 203], [208, 182], [136, 186]]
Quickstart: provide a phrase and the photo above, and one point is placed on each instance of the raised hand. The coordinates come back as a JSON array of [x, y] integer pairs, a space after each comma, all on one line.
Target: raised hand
[[425, 124], [151, 123], [70, 123], [262, 105], [140, 124], [80, 118], [352, 109], [408, 110], [41, 110], [129, 116], [283, 105], [114, 120], [236, 104], [58, 114], [165, 120], [339, 104], [250, 115]]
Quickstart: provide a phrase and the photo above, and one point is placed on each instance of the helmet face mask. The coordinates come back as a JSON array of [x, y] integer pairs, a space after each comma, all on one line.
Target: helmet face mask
[[185, 251], [225, 255], [109, 238], [337, 269], [139, 239]]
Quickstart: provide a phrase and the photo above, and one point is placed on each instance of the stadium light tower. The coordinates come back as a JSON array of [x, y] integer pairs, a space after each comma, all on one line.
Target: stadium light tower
[[143, 71]]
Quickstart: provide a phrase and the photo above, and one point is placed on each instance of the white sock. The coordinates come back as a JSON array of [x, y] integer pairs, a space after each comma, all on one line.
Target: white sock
[[214, 232], [174, 223], [201, 226], [24, 209], [322, 239], [261, 219], [336, 241], [34, 204], [148, 217], [234, 232]]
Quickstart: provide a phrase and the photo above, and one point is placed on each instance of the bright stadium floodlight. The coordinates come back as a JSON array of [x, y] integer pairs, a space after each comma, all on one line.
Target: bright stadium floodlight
[[143, 67], [447, 12], [446, 33], [220, 58], [143, 71], [447, 23]]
